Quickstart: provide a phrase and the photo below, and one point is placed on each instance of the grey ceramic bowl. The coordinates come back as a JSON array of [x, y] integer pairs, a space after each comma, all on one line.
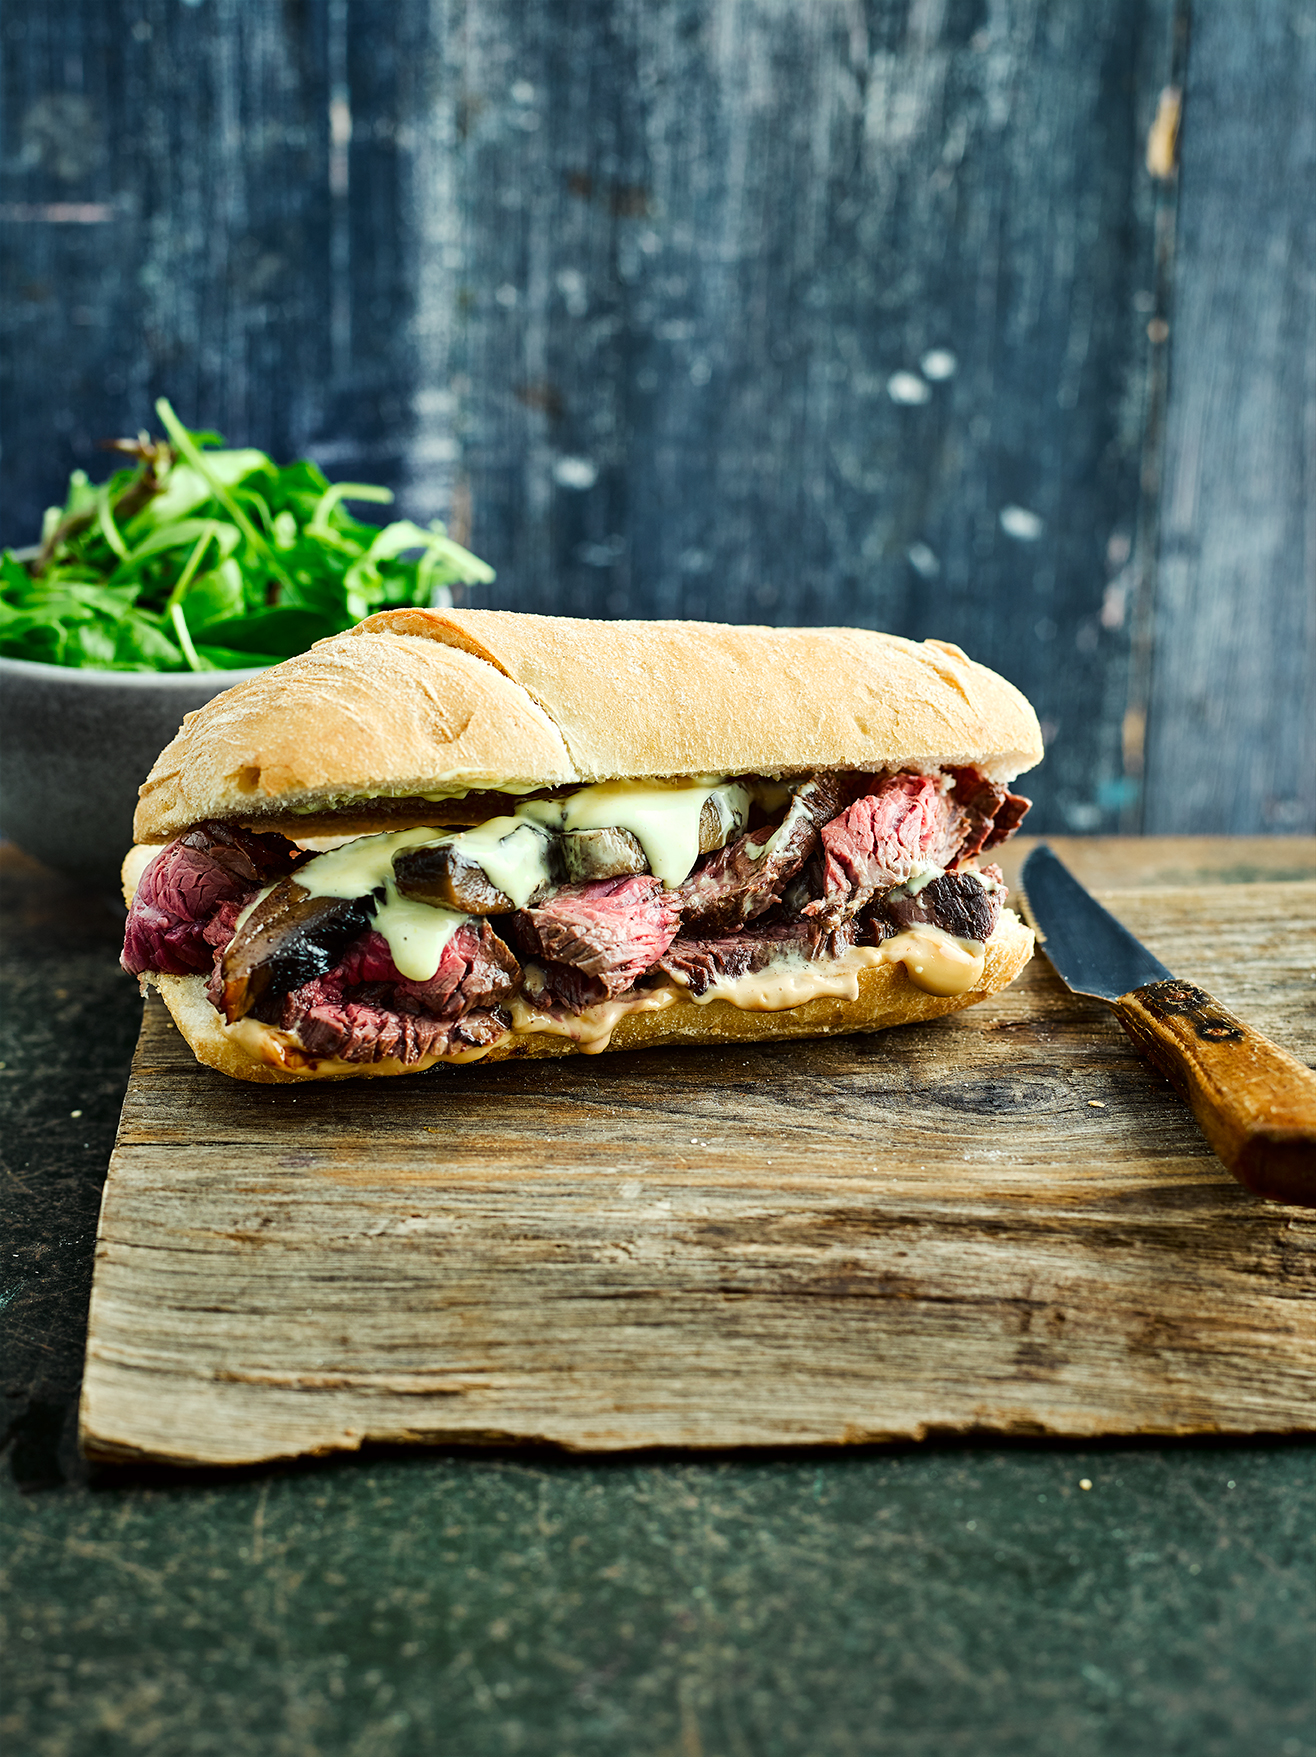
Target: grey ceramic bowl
[[74, 748]]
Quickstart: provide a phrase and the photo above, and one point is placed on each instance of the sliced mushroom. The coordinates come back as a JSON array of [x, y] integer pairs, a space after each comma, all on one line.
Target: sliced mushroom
[[448, 875], [723, 817], [442, 876], [601, 854], [288, 938]]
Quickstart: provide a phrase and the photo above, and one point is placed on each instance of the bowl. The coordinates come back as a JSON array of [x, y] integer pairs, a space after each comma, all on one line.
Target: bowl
[[74, 748]]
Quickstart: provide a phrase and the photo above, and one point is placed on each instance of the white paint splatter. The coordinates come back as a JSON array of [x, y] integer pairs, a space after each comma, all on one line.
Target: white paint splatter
[[1019, 523], [907, 387], [578, 473], [939, 363]]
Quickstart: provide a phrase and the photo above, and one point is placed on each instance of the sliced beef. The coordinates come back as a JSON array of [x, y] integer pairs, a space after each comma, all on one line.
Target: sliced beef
[[698, 963], [359, 1031], [185, 887], [957, 902], [365, 1010], [878, 842], [610, 931], [476, 969], [747, 878], [991, 813], [1011, 812]]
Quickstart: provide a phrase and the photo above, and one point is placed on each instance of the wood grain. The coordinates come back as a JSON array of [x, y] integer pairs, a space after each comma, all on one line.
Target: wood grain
[[1235, 663], [1255, 1103], [1006, 1223]]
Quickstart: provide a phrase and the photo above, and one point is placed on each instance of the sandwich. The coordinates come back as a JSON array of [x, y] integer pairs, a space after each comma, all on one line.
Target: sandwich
[[465, 835]]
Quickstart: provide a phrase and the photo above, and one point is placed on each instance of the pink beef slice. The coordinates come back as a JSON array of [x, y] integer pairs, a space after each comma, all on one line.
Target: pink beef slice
[[600, 936], [879, 841], [992, 813], [192, 892], [910, 821], [365, 1010]]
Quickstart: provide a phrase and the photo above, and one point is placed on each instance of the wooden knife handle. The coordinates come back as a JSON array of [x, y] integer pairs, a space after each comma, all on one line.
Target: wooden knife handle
[[1256, 1103]]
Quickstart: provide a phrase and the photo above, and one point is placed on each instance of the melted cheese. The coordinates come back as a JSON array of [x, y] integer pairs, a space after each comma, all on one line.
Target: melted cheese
[[663, 818], [513, 853], [416, 932]]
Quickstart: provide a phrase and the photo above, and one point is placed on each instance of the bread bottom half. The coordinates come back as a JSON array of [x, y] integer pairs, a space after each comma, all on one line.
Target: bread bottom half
[[250, 1051]]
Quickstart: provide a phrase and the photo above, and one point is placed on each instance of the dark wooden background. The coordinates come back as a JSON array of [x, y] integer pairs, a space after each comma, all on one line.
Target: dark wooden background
[[647, 296]]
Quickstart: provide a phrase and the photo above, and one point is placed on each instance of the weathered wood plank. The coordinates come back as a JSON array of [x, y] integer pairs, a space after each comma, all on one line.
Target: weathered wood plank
[[1002, 1223], [1235, 656]]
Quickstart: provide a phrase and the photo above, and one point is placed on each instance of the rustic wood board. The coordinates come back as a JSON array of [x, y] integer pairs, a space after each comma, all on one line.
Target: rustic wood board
[[999, 1223]]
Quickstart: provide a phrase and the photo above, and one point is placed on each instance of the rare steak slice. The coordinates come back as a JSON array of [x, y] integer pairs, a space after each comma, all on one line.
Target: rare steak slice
[[365, 1010], [697, 963], [991, 813], [188, 884], [748, 877], [908, 822], [607, 932]]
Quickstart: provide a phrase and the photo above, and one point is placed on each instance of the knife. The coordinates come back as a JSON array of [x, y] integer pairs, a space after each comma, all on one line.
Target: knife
[[1254, 1102]]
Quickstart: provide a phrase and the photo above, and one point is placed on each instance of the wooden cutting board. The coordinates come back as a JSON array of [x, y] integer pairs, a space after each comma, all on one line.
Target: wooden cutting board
[[998, 1223]]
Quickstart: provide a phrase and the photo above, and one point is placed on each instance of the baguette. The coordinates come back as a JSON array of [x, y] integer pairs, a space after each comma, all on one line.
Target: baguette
[[420, 719], [356, 733]]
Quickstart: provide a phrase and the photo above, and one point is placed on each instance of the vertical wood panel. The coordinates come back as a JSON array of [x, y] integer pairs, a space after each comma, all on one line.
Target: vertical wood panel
[[671, 260], [1232, 731], [197, 136]]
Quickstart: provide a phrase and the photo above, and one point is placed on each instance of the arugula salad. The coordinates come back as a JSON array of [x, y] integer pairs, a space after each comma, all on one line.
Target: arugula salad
[[198, 558]]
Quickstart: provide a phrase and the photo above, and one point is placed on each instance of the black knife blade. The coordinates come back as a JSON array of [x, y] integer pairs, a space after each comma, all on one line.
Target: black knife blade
[[1092, 952]]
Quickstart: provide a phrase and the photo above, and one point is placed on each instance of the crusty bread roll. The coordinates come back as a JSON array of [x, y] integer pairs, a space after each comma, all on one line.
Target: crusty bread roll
[[351, 735], [886, 997], [422, 717]]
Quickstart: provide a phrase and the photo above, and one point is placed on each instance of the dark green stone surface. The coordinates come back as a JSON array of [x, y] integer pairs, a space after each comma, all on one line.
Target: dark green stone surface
[[951, 1600]]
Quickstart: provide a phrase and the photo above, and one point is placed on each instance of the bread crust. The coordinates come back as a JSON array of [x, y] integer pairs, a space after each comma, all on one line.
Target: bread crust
[[886, 997], [413, 702]]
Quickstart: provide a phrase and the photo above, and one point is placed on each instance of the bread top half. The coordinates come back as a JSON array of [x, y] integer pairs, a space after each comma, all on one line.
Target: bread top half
[[413, 708]]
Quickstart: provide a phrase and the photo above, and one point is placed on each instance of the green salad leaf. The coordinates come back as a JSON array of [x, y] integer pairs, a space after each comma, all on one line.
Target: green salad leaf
[[198, 558]]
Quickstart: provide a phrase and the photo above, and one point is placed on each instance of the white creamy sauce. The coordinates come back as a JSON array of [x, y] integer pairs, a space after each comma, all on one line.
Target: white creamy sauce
[[361, 866], [255, 903], [512, 852], [663, 818], [416, 932]]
